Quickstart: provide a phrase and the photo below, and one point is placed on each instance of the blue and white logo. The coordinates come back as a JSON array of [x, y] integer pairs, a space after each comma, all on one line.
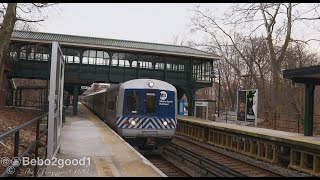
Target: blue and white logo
[[163, 95]]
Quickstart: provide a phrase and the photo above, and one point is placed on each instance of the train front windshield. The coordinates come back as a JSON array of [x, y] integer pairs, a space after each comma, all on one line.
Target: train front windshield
[[132, 105], [151, 103], [146, 102]]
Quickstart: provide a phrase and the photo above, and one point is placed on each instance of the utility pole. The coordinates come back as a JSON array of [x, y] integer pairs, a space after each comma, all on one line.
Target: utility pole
[[213, 76], [219, 88]]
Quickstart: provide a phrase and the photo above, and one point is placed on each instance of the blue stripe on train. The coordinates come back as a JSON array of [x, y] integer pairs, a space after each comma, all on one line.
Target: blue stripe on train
[[146, 123]]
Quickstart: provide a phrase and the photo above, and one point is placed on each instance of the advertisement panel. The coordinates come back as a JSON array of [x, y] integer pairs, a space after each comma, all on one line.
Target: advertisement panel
[[251, 110], [181, 107], [247, 106], [241, 111]]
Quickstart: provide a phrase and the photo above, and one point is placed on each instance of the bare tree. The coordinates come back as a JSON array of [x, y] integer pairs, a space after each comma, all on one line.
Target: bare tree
[[182, 40], [254, 39], [11, 13], [6, 29]]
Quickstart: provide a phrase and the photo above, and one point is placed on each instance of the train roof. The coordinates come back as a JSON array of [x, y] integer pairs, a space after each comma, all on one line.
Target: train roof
[[98, 92], [139, 84], [144, 83]]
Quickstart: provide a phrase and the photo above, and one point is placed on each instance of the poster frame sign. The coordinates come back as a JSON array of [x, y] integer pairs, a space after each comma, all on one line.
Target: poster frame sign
[[247, 105], [55, 100], [201, 104], [181, 107], [241, 106]]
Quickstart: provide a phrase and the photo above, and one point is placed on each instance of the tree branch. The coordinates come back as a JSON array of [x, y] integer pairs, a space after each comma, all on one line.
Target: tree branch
[[24, 10], [29, 21], [288, 35], [311, 19], [42, 5]]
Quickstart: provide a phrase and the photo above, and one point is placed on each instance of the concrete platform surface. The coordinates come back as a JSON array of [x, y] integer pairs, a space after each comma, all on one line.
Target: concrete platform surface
[[312, 142], [102, 151]]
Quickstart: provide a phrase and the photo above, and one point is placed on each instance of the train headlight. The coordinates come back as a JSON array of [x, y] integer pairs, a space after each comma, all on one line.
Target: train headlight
[[165, 123], [151, 84], [133, 122]]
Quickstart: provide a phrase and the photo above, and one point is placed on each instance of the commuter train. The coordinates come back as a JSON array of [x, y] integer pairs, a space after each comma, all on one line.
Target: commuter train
[[141, 111]]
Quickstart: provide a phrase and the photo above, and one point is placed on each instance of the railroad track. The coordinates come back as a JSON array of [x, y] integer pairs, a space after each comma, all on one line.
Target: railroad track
[[167, 167], [215, 163]]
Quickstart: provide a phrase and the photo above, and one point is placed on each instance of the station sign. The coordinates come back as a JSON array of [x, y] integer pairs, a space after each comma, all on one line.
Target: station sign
[[85, 87], [199, 103]]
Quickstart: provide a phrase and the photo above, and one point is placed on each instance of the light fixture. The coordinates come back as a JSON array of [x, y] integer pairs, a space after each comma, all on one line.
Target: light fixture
[[133, 122], [212, 75], [165, 123], [151, 84]]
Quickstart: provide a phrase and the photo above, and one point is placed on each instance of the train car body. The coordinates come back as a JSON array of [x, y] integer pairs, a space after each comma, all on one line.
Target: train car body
[[141, 111]]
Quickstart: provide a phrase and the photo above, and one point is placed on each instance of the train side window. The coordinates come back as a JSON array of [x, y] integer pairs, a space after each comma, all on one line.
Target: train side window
[[111, 105], [150, 103], [132, 105]]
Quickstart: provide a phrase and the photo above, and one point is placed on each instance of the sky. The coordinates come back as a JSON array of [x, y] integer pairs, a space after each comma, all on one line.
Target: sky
[[146, 22], [153, 22]]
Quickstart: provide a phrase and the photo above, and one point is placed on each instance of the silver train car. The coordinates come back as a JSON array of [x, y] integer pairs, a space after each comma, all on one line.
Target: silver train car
[[141, 111]]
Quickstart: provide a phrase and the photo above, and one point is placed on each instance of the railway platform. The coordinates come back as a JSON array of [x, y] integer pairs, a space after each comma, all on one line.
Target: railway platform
[[293, 150], [103, 152], [270, 134]]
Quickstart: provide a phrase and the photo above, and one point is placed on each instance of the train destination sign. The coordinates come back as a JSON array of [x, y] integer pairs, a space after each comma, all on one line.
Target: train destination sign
[[85, 87]]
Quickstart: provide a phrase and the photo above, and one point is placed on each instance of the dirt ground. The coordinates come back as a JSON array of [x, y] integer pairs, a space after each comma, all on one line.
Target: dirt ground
[[284, 125], [9, 119]]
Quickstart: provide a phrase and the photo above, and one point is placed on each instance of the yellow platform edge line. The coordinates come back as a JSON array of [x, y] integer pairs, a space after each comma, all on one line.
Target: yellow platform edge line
[[101, 166]]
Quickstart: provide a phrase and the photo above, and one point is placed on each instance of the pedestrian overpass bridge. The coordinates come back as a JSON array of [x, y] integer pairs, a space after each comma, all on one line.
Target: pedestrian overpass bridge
[[91, 59]]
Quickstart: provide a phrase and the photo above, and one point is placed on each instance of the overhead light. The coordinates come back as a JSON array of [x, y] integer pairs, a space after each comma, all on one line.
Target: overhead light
[[151, 84]]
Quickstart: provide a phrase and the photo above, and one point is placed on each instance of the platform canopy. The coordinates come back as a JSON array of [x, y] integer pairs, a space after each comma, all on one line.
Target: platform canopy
[[303, 74], [310, 77]]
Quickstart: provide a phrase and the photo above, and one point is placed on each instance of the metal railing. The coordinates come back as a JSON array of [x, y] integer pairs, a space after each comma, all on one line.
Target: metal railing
[[34, 144], [33, 104], [283, 121], [290, 122], [33, 97], [227, 115]]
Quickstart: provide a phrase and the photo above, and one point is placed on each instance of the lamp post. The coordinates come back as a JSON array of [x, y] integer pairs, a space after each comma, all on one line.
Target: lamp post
[[219, 87], [245, 76], [213, 76]]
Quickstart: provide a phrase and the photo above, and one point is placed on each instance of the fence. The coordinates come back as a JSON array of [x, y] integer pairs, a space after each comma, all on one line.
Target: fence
[[33, 148], [290, 122], [282, 121], [34, 97], [227, 115]]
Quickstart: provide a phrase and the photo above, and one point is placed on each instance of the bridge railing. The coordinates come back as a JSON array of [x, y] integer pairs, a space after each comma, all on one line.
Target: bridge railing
[[32, 148]]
